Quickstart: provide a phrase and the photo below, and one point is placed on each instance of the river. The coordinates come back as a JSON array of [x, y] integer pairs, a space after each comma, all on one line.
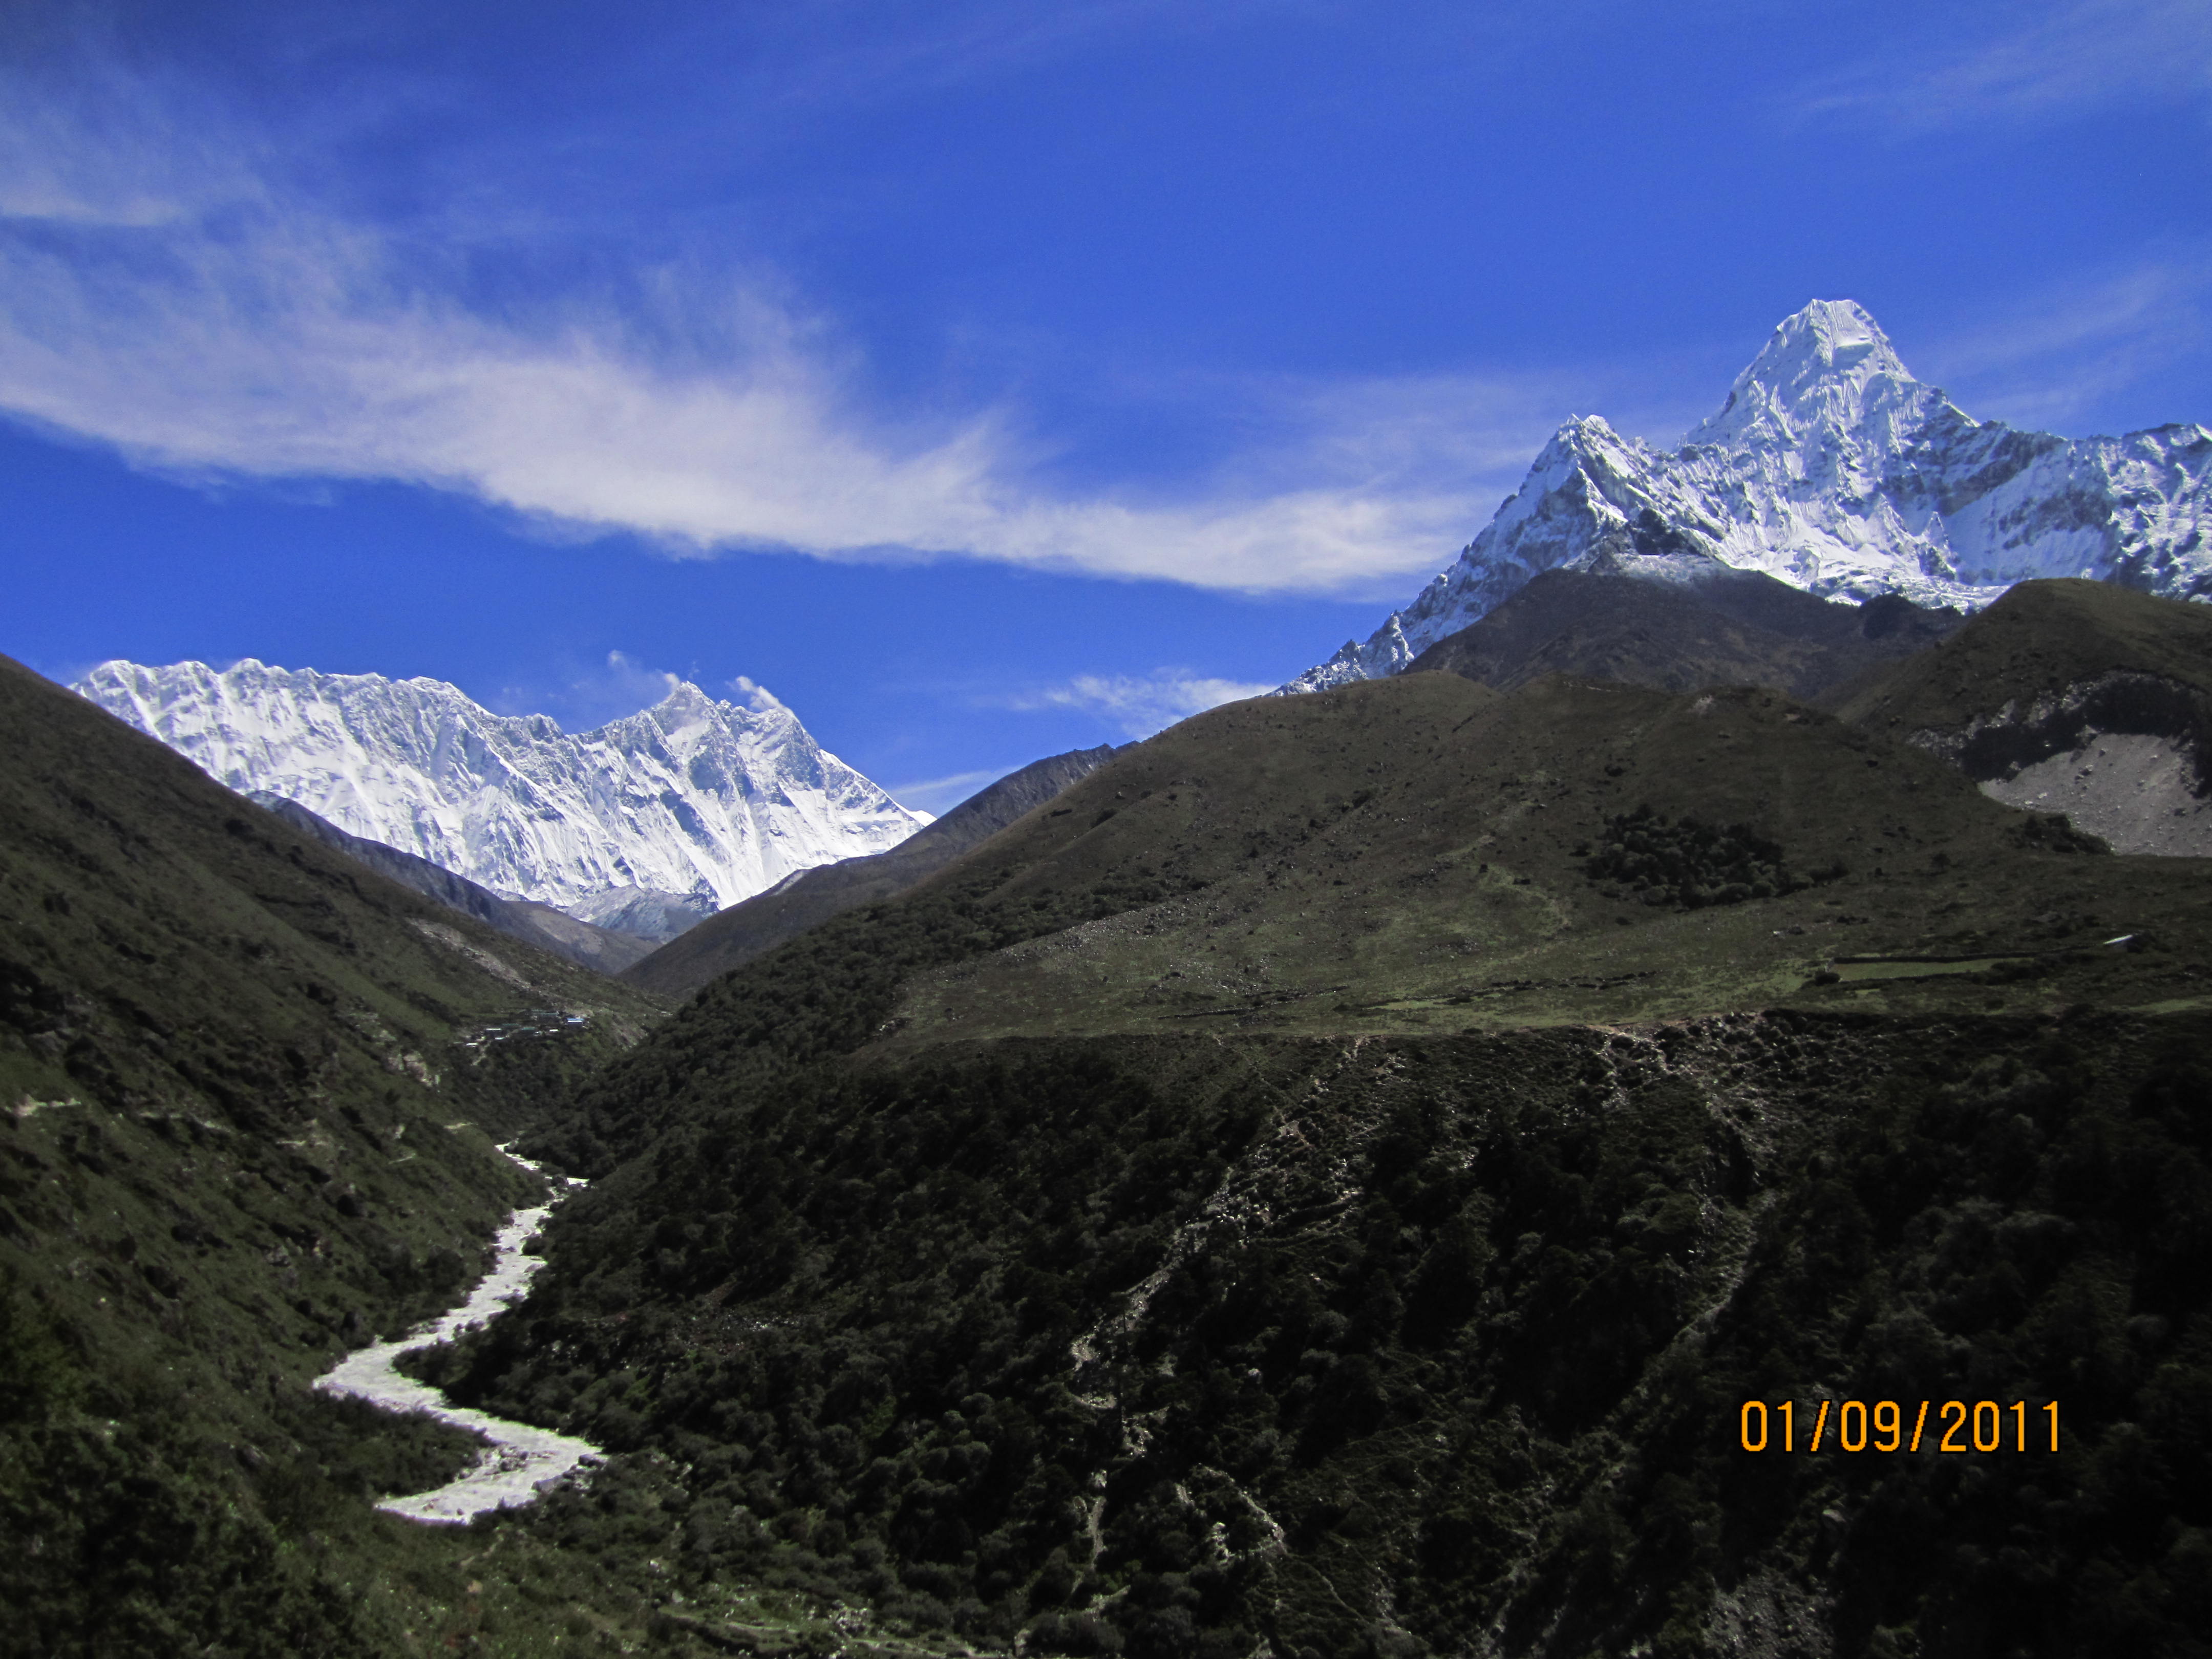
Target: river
[[520, 1460]]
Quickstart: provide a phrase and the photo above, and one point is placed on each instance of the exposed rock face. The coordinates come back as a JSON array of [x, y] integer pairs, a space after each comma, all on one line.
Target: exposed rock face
[[2074, 698], [2133, 791], [1831, 467], [695, 799], [2123, 755]]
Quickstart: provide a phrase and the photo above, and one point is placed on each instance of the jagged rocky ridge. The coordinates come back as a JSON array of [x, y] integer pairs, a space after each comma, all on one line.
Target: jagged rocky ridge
[[1832, 469], [1702, 623], [697, 801]]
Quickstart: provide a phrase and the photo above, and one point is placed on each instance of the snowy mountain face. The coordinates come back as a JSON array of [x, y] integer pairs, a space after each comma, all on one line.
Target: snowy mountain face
[[697, 801], [1831, 467]]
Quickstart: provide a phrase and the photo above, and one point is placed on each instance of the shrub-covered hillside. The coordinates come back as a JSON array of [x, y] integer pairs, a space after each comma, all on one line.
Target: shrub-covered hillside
[[1277, 1200], [1426, 1345]]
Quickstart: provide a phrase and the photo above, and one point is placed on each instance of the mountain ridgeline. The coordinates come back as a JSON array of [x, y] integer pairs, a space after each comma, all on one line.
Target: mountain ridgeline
[[663, 816], [1830, 468], [540, 924], [1644, 611], [1656, 1113], [806, 900], [1330, 1181]]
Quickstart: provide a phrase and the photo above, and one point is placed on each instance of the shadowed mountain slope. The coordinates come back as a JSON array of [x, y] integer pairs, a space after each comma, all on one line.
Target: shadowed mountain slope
[[1330, 1183], [248, 1096], [538, 924], [1681, 623], [2074, 697], [743, 931]]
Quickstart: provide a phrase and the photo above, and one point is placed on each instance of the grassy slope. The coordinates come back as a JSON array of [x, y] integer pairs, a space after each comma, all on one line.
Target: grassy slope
[[248, 1094], [1404, 853], [2039, 638], [1222, 1210]]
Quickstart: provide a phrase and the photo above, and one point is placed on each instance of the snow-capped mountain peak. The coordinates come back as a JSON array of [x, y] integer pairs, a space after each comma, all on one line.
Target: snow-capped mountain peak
[[694, 798], [1830, 467], [1829, 365]]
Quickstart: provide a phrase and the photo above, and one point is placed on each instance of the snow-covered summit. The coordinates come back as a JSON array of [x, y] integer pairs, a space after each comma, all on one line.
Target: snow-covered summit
[[1828, 369], [696, 798], [1832, 468]]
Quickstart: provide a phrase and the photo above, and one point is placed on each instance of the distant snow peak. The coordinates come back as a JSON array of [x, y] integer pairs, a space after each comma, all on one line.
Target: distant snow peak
[[1831, 467], [685, 807], [646, 914]]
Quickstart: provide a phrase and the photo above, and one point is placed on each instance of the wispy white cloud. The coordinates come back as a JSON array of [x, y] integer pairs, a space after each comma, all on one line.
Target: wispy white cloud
[[585, 698], [2045, 358], [2053, 61], [937, 796], [753, 695], [201, 321], [1141, 704]]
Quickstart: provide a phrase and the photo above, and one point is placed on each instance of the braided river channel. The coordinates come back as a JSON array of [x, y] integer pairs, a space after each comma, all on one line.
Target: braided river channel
[[519, 1461]]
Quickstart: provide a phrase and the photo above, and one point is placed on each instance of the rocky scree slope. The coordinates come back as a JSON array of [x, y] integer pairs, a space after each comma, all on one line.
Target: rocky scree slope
[[696, 801], [2074, 698], [1304, 1187], [1831, 467], [249, 1094]]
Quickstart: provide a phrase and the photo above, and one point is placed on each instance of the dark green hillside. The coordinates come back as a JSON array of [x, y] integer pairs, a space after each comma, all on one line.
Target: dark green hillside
[[1328, 1185], [758, 925], [248, 1097], [1422, 853], [1175, 1345], [1734, 627], [2039, 639]]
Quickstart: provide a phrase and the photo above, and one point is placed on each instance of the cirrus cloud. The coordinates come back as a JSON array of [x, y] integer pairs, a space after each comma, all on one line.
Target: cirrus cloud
[[1142, 704], [2054, 61], [177, 305]]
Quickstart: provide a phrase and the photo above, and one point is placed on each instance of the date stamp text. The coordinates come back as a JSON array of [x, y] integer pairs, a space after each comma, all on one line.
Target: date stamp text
[[1857, 1425]]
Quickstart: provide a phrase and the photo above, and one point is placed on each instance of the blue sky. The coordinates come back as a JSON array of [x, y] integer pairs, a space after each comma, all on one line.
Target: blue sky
[[986, 378]]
